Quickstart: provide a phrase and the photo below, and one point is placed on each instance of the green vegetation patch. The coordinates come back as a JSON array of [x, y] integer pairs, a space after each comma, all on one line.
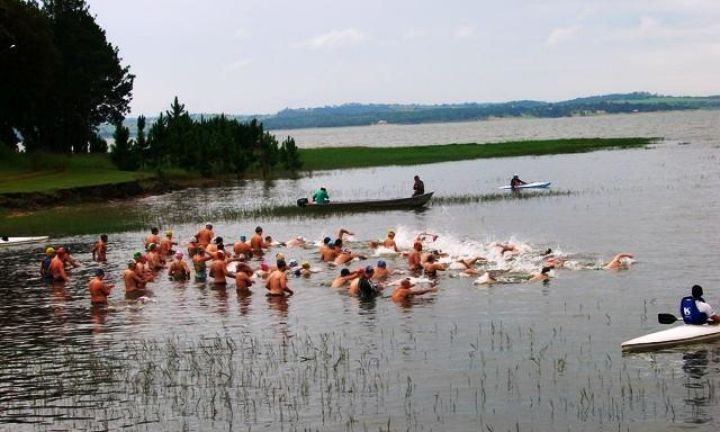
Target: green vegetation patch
[[359, 157]]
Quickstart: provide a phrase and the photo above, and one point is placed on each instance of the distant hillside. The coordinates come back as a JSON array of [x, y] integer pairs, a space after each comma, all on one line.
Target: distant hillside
[[367, 114]]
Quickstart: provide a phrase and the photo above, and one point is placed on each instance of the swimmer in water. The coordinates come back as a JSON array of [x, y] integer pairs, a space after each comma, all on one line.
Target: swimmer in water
[[276, 284], [617, 262], [345, 277], [99, 290], [431, 267], [541, 276], [414, 259], [389, 242], [99, 252], [179, 270], [405, 291]]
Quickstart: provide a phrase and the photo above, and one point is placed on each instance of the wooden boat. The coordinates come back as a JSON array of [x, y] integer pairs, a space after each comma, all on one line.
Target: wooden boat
[[397, 203], [12, 241]]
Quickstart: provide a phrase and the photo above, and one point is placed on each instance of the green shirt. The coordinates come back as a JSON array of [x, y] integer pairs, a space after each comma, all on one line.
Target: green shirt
[[321, 197]]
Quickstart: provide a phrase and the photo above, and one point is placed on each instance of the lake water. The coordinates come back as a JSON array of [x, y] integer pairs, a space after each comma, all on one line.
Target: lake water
[[511, 357]]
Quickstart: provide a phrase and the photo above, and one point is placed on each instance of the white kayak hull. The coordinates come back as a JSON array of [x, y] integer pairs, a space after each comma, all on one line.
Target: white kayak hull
[[679, 335], [12, 241], [535, 185]]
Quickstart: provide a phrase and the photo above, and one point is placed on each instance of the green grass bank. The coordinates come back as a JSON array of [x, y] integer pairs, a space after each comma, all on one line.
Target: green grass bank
[[360, 157]]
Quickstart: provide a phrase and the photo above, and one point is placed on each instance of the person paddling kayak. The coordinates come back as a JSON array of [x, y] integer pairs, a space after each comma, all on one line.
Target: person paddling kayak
[[515, 182], [694, 310], [321, 196]]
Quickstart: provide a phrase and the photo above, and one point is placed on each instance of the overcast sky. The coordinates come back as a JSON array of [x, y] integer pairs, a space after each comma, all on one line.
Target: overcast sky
[[260, 56]]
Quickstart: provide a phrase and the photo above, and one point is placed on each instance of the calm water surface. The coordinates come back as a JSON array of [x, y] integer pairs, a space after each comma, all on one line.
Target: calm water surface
[[510, 357]]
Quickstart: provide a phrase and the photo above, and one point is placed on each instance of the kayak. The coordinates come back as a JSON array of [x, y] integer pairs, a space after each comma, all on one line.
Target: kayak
[[535, 185], [12, 241], [682, 334]]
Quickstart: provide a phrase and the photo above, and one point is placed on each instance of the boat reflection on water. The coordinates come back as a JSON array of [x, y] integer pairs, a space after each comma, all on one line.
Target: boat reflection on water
[[701, 368]]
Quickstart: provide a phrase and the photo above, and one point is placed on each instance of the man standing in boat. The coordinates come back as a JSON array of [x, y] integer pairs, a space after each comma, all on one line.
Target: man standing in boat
[[418, 187], [694, 310]]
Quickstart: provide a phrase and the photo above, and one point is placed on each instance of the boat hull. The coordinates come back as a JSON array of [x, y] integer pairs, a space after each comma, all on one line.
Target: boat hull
[[398, 203], [679, 335], [536, 185], [13, 241]]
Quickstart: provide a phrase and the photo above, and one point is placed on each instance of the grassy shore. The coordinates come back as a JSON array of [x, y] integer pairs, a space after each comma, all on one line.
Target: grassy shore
[[42, 173], [359, 157]]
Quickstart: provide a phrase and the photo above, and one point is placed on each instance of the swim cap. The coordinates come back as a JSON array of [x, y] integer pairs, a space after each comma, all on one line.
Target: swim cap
[[258, 229], [327, 240], [131, 263], [49, 251], [279, 256], [297, 272], [99, 272], [218, 240], [344, 272], [281, 264], [391, 232], [168, 233], [405, 283], [243, 238], [306, 265], [137, 255], [220, 254], [293, 263], [208, 224], [151, 246], [264, 267], [60, 250], [178, 255], [382, 264], [417, 245], [369, 269]]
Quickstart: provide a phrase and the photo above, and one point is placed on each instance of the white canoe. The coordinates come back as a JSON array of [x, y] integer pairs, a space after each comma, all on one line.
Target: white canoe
[[12, 241], [535, 185], [682, 334]]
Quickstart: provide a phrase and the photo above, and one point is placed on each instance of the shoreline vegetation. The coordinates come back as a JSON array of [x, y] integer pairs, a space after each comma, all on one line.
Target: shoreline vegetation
[[27, 174], [113, 217]]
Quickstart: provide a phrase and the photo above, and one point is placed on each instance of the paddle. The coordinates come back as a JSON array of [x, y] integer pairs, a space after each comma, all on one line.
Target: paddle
[[664, 318]]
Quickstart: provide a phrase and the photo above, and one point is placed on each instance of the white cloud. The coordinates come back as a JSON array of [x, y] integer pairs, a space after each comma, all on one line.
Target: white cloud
[[561, 34], [465, 32], [648, 25], [333, 39], [239, 34]]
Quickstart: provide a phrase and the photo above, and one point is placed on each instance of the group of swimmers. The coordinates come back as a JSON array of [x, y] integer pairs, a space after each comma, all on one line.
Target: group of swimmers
[[210, 259]]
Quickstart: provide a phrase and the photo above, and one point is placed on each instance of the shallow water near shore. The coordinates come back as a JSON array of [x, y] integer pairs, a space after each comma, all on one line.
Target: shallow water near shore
[[513, 356]]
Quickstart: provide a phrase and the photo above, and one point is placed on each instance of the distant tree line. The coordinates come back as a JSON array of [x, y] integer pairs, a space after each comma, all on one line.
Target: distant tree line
[[209, 146], [59, 77]]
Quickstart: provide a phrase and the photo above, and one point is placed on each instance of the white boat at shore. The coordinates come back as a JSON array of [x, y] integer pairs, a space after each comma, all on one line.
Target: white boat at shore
[[13, 241]]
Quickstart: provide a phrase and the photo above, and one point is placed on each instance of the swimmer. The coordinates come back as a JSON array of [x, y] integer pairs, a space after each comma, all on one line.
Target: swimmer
[[45, 264], [405, 291], [617, 262], [134, 282], [218, 270], [99, 290], [362, 287], [414, 258], [242, 248], [179, 270], [343, 231], [381, 271], [167, 244], [346, 255], [155, 261], [298, 241], [264, 271], [326, 251], [67, 258], [205, 235], [192, 245], [541, 276], [345, 277], [257, 242], [243, 272], [152, 237], [389, 242], [305, 270], [421, 236], [431, 267], [99, 252], [200, 257], [57, 267], [277, 281]]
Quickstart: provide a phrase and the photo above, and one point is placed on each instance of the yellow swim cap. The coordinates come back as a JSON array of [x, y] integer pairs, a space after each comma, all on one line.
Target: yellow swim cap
[[306, 265], [49, 251], [168, 233], [279, 256]]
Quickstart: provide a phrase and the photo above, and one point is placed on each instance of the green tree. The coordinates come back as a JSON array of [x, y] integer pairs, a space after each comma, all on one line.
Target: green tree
[[141, 147], [98, 145], [289, 156], [95, 88], [122, 155], [28, 74]]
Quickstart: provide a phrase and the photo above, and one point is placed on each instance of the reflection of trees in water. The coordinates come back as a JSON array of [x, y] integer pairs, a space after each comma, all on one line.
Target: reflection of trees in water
[[701, 369]]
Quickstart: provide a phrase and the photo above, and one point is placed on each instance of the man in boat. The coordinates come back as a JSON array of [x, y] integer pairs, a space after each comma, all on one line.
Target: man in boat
[[321, 196], [515, 182], [277, 281], [99, 290], [99, 252], [418, 187], [694, 310]]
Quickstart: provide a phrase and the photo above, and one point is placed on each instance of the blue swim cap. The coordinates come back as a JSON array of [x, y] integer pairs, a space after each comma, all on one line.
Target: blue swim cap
[[99, 272], [243, 238], [369, 269], [382, 264]]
